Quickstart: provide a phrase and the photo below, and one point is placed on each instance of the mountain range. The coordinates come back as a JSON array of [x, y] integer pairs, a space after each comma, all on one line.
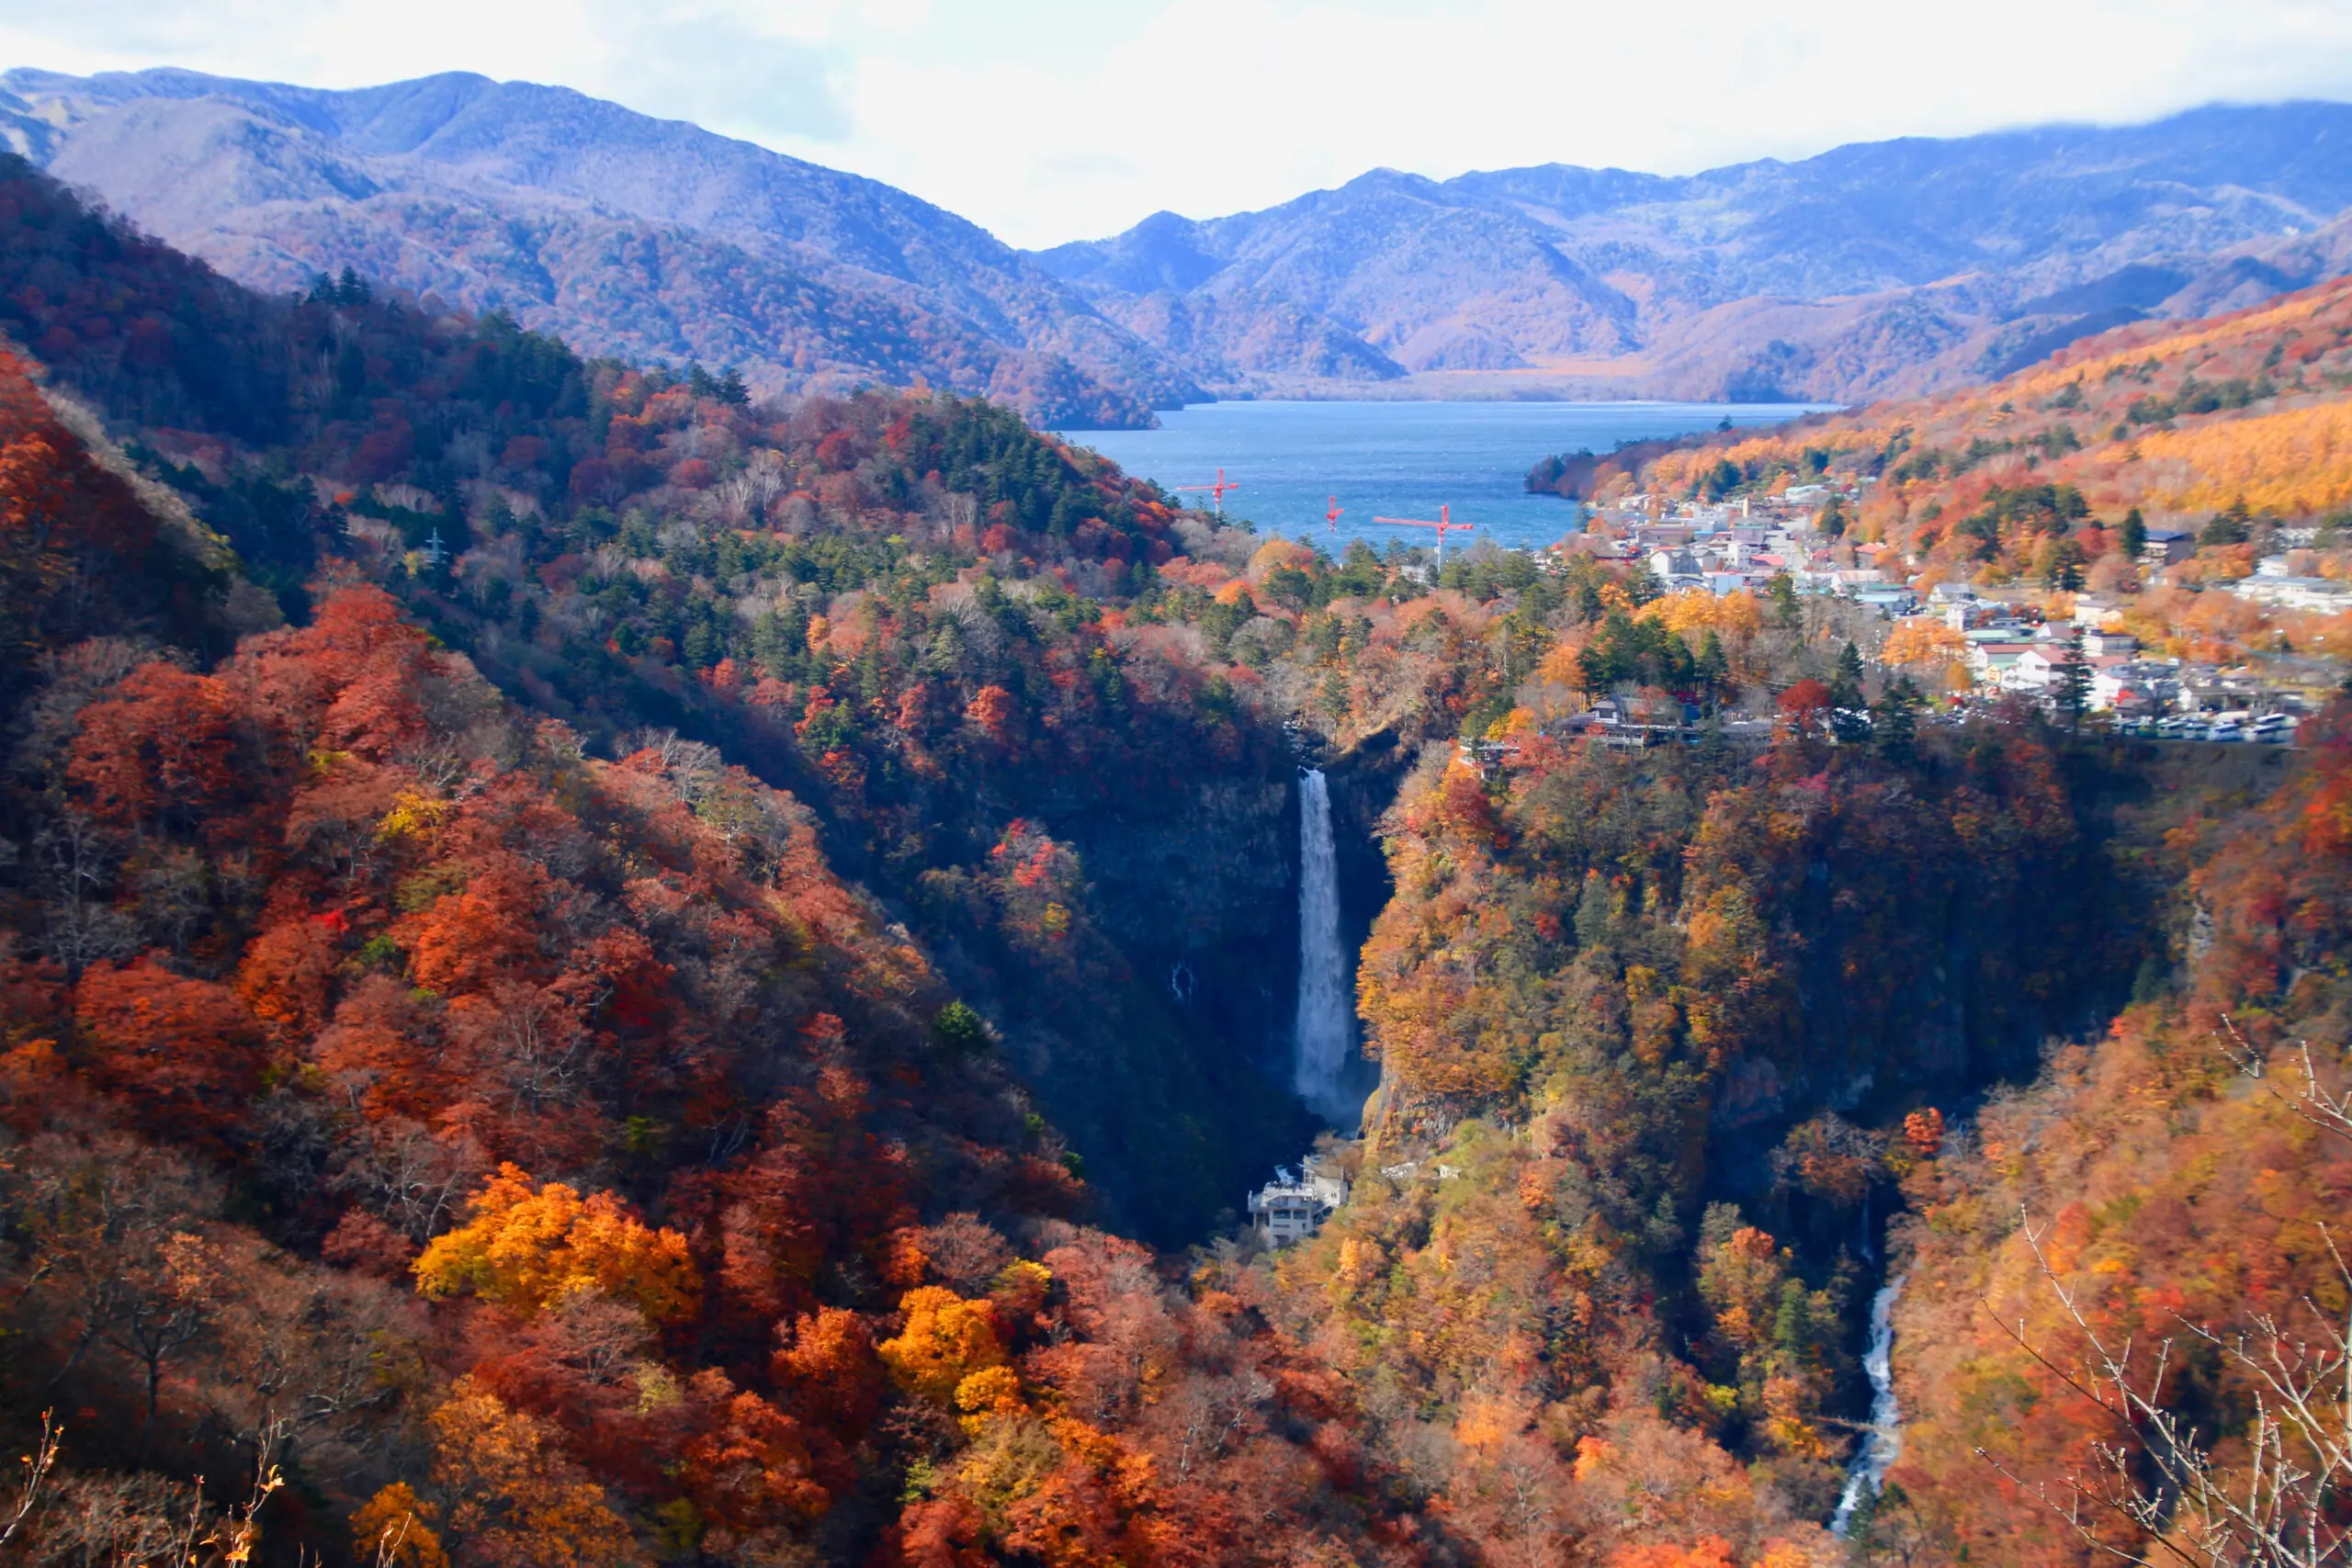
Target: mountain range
[[627, 235], [1875, 269]]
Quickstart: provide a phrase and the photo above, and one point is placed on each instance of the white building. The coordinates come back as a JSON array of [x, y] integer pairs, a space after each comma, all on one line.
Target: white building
[[2039, 668], [1995, 663], [1674, 567], [1290, 1208], [2134, 686], [2321, 593], [2099, 643]]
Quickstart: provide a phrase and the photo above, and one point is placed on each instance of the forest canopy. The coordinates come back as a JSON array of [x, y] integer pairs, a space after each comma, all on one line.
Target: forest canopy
[[598, 971]]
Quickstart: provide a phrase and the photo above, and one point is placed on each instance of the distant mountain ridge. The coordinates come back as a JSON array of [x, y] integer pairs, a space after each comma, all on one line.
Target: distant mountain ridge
[[1872, 270], [622, 233]]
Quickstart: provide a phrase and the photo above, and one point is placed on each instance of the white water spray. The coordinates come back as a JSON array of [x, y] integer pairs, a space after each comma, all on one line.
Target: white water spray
[[1323, 1031], [1884, 1441]]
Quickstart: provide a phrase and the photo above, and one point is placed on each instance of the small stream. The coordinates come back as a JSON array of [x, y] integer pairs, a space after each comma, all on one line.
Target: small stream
[[1884, 1441]]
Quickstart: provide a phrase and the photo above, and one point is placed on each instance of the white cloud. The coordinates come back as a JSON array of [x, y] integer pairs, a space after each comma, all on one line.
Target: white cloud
[[1053, 120]]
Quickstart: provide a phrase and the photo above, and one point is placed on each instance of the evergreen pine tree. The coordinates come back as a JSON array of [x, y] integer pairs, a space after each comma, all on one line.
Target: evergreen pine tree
[[1848, 721], [1714, 670], [1895, 726], [1846, 685], [2073, 684]]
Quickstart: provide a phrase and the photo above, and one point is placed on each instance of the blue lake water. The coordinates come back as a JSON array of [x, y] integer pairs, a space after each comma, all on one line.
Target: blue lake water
[[1397, 460]]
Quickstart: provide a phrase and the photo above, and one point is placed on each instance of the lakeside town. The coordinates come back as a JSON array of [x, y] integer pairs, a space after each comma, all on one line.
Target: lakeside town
[[1972, 645]]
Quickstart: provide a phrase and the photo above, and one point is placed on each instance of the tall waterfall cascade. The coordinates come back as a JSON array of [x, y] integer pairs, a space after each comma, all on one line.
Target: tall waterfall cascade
[[1883, 1442], [1325, 1024]]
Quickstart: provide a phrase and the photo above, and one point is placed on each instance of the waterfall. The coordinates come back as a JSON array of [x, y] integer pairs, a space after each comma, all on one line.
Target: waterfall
[[1884, 1441], [1325, 1017]]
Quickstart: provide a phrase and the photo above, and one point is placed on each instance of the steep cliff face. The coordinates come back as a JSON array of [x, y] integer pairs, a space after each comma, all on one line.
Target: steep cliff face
[[1167, 1063], [1189, 1099]]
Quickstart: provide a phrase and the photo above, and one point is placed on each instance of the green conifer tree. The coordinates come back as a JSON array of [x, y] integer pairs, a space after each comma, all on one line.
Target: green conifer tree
[[2134, 533], [2074, 693], [1894, 726]]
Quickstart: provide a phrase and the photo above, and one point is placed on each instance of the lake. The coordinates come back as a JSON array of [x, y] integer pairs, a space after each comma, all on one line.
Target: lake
[[1398, 459]]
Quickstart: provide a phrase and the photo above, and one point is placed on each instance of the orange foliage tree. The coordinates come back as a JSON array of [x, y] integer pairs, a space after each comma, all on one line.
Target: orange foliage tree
[[526, 1247]]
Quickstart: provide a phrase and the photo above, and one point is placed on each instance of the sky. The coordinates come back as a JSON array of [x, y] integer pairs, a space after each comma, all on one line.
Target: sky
[[1048, 120]]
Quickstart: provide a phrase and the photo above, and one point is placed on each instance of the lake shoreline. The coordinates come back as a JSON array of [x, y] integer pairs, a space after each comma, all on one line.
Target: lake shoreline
[[1286, 459]]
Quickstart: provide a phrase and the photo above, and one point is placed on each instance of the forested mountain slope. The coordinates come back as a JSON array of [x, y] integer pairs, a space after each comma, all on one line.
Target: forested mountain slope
[[1872, 270], [627, 234], [2175, 1179], [627, 552], [2224, 432], [2183, 1179], [595, 968]]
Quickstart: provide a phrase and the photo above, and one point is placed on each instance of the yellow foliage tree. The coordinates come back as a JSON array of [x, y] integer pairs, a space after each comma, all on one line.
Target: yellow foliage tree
[[523, 1248], [392, 1530], [515, 1499], [1277, 553], [1693, 613], [2294, 462], [1922, 643], [1559, 666], [991, 1393], [947, 1340]]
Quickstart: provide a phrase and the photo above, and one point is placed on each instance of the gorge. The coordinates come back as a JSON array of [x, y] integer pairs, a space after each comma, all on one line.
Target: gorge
[[1883, 1439], [688, 977]]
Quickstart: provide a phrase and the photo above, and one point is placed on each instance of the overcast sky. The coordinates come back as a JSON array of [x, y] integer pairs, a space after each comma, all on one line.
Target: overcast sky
[[1061, 120]]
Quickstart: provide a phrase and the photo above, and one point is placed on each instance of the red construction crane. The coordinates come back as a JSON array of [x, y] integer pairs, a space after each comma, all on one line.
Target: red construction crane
[[1216, 490], [1332, 516], [1444, 525]]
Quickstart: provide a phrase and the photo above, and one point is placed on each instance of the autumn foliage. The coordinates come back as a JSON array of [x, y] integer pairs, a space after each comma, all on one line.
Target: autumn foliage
[[439, 1058]]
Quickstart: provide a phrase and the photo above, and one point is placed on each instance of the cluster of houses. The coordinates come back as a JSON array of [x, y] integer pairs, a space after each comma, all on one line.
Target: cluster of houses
[[1744, 545], [2285, 580], [2011, 649]]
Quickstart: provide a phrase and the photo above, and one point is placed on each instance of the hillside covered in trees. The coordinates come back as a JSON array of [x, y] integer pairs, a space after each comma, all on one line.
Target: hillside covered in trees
[[2230, 432], [597, 971]]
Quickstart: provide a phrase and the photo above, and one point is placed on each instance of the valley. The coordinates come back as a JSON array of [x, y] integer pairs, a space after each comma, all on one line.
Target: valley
[[599, 966]]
